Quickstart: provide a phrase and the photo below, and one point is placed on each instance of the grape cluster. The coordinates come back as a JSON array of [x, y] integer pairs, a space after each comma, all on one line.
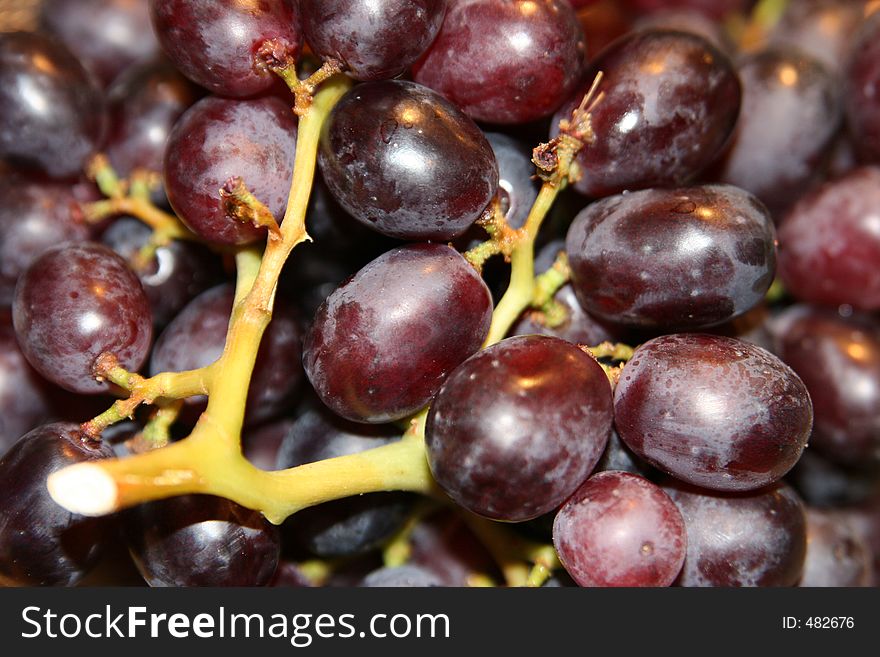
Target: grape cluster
[[385, 273]]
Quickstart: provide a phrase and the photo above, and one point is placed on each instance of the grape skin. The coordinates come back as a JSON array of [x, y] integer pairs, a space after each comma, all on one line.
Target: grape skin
[[671, 102], [214, 42], [752, 539], [374, 40], [52, 114], [839, 361], [861, 94], [384, 341], [672, 259], [713, 411], [404, 161], [42, 544], [107, 36], [34, 217], [836, 554], [74, 303], [200, 540], [218, 139], [619, 529], [829, 245], [791, 112], [543, 421], [505, 61]]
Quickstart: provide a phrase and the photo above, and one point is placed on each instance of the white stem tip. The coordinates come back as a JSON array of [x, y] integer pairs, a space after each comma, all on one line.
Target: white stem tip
[[84, 488]]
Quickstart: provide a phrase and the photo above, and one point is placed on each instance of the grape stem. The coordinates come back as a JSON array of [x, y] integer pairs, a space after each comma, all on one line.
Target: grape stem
[[210, 459], [557, 166]]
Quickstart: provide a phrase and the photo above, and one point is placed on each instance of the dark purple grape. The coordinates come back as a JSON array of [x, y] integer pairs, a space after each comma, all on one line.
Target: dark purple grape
[[144, 103], [752, 539], [52, 114], [348, 526], [215, 42], [373, 40], [829, 244], [408, 576], [619, 529], [672, 259], [791, 112], [518, 427], [260, 446], [506, 61], [836, 554], [403, 160], [25, 399], [34, 217], [196, 337], [218, 139], [862, 95], [384, 341], [444, 545], [40, 542], [176, 274], [839, 361], [74, 303], [824, 29], [671, 102], [713, 411], [107, 36], [199, 540]]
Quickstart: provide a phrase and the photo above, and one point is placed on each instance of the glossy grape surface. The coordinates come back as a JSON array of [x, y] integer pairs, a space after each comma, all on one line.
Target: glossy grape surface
[[791, 112], [829, 244], [384, 341], [214, 42], [518, 427], [862, 95], [34, 217], [671, 102], [177, 273], [107, 36], [42, 544], [52, 115], [836, 554], [25, 400], [713, 411], [374, 40], [199, 540], [74, 303], [403, 160], [505, 61], [679, 258], [751, 539], [218, 139], [144, 104], [619, 529], [348, 526], [195, 338], [619, 457], [839, 360]]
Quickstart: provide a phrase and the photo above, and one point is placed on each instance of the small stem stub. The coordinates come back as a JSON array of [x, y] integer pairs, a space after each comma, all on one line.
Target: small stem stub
[[240, 204]]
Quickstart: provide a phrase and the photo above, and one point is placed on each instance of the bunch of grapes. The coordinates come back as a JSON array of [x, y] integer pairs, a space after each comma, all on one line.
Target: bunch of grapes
[[441, 293]]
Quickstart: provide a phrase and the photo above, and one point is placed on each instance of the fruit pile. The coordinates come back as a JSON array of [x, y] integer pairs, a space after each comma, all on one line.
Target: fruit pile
[[317, 292]]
